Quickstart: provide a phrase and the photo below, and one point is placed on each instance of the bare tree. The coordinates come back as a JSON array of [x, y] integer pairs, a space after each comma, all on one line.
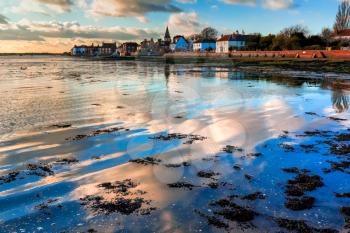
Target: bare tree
[[209, 33], [342, 20], [326, 35], [296, 29]]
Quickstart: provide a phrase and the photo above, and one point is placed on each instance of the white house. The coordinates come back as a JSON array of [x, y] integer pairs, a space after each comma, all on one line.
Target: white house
[[228, 42], [342, 35], [204, 45]]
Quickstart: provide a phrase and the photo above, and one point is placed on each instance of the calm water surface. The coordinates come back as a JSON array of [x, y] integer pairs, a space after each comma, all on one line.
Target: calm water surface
[[47, 102]]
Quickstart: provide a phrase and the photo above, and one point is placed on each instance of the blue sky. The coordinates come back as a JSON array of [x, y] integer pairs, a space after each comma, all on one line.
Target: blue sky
[[27, 24]]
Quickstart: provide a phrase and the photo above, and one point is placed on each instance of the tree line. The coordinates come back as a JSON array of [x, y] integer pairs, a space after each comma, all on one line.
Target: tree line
[[298, 36], [295, 37]]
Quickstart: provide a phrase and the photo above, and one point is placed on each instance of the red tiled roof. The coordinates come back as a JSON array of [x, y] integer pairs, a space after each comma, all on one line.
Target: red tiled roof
[[345, 32]]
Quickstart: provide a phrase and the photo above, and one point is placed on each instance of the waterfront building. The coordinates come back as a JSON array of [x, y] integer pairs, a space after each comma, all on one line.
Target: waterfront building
[[79, 50], [158, 48], [107, 49], [342, 35], [180, 44], [234, 41], [202, 45], [128, 48]]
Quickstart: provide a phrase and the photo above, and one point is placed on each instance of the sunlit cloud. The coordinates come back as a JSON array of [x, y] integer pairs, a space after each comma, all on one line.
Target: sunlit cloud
[[269, 4], [38, 31], [3, 19], [242, 2], [64, 5], [278, 4], [185, 23], [130, 8]]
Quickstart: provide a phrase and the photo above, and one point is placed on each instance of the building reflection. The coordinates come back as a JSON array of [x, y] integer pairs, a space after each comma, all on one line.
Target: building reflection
[[340, 94], [340, 101]]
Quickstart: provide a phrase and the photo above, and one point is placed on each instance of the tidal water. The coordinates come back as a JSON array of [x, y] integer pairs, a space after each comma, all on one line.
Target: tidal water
[[69, 126]]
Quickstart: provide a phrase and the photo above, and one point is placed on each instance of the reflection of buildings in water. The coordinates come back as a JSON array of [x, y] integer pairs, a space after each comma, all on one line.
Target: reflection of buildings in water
[[230, 75], [340, 94], [340, 101], [167, 74]]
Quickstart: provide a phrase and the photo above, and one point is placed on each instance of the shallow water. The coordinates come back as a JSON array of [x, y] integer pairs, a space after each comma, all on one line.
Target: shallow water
[[47, 101]]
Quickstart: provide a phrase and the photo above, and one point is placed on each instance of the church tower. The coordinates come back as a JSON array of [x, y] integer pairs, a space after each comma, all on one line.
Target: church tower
[[167, 38]]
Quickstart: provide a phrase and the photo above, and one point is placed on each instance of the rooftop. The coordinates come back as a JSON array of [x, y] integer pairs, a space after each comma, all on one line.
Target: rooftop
[[345, 32], [233, 37], [205, 41]]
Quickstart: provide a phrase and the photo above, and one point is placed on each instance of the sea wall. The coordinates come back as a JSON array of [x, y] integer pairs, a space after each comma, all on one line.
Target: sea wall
[[308, 54]]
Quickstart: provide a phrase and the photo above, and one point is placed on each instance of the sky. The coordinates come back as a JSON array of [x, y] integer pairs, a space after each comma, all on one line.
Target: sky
[[57, 25]]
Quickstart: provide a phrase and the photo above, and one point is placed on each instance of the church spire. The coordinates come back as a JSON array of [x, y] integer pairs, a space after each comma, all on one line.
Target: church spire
[[167, 37]]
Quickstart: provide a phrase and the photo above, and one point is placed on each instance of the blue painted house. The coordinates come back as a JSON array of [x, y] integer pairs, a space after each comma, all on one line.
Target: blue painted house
[[204, 45], [79, 50], [180, 44]]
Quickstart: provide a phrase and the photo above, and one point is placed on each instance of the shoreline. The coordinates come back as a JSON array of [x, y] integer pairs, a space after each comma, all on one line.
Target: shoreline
[[338, 66]]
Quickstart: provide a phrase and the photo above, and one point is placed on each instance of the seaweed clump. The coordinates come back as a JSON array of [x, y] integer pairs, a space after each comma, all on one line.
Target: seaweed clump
[[233, 212], [296, 188], [9, 177], [68, 160], [303, 183], [254, 196], [120, 187], [97, 133], [340, 166], [124, 206], [190, 138], [146, 161], [124, 201], [40, 169], [344, 195], [300, 226], [182, 184], [302, 203], [295, 170], [207, 174], [176, 165], [231, 149]]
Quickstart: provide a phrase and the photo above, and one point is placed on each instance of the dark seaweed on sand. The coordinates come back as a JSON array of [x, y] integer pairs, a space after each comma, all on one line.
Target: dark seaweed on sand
[[9, 177], [231, 149], [300, 203], [303, 183], [97, 133], [207, 174], [124, 201], [190, 138], [301, 226], [146, 161], [182, 184]]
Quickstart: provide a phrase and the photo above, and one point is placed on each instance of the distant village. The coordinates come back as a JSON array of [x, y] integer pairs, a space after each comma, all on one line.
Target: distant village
[[178, 43], [288, 42], [293, 38]]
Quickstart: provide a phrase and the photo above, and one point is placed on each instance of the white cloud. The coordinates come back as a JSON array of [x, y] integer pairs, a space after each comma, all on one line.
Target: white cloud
[[63, 5], [278, 4], [269, 4], [242, 2], [185, 23], [130, 8], [39, 31]]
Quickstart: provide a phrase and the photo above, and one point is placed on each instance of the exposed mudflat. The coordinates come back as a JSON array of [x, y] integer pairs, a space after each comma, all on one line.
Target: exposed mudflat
[[103, 146]]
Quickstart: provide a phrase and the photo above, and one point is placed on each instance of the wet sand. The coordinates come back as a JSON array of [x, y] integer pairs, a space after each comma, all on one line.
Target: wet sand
[[103, 146]]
